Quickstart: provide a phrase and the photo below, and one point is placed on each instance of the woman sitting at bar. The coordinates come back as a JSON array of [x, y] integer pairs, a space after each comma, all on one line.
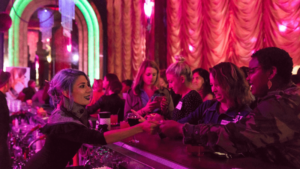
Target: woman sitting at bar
[[272, 130], [111, 102], [145, 96], [202, 84], [67, 128], [163, 82], [179, 76], [108, 78], [97, 91], [232, 97]]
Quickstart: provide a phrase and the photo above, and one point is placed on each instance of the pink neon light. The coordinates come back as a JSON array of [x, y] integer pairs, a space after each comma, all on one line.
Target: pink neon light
[[191, 48], [37, 65], [282, 28], [69, 48], [48, 39], [253, 39], [148, 7]]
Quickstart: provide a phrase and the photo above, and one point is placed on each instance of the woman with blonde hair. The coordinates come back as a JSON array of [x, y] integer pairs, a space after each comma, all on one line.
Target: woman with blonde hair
[[179, 76], [146, 96]]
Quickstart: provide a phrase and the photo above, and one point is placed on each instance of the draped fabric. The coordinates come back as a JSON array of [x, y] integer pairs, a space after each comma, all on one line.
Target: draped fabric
[[127, 32], [208, 32], [110, 34], [125, 37], [118, 37]]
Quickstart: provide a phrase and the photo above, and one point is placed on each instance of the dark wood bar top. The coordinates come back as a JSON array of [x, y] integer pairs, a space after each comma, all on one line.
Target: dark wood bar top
[[175, 151]]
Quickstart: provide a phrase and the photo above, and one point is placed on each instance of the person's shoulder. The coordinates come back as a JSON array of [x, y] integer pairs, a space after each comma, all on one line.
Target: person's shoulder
[[209, 103], [193, 95], [245, 110], [25, 89]]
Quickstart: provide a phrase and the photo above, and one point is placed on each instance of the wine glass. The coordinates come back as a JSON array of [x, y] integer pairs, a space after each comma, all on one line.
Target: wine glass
[[133, 120]]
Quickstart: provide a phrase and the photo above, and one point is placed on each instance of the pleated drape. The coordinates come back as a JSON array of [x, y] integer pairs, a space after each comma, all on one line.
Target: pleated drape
[[125, 35], [126, 40], [208, 32], [110, 35], [117, 43]]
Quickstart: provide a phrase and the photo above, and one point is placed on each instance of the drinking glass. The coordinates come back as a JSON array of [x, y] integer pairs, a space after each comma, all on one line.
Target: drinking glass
[[133, 120]]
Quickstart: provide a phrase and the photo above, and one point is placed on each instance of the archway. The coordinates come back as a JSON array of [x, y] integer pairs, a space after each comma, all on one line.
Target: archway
[[17, 41]]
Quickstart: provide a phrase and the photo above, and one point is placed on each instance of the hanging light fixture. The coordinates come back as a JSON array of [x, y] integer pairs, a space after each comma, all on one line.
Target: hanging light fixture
[[46, 23], [67, 10], [148, 6]]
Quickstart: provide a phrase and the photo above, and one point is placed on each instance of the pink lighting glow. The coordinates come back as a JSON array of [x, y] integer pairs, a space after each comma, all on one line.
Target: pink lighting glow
[[48, 39], [282, 28], [37, 65], [252, 51], [253, 40], [69, 48], [148, 7], [191, 48]]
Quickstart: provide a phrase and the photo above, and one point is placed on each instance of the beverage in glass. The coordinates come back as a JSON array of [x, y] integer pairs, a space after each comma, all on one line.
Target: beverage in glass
[[133, 120]]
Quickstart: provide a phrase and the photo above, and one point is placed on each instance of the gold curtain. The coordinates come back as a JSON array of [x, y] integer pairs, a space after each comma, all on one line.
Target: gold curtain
[[208, 32], [110, 34], [125, 35], [127, 31], [117, 42]]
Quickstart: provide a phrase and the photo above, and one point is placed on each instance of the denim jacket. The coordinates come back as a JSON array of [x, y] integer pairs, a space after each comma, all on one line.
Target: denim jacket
[[208, 113]]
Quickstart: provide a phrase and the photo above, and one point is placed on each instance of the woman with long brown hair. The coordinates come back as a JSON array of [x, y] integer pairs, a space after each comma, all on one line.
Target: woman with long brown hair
[[232, 97], [146, 96]]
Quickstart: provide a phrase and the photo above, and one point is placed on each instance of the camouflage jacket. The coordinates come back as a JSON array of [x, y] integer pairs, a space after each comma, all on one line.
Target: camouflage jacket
[[271, 131]]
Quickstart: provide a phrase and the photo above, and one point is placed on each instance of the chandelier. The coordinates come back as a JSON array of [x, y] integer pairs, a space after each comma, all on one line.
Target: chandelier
[[67, 10], [46, 23]]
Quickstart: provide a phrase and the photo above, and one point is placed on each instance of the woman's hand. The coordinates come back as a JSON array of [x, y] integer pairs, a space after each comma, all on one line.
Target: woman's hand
[[164, 105], [171, 128], [150, 126], [150, 107], [154, 117]]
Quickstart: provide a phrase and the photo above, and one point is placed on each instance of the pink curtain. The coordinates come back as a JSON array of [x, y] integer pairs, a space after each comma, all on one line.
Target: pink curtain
[[208, 32], [125, 37]]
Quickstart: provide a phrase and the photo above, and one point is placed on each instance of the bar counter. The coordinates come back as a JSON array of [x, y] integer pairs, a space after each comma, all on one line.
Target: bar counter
[[170, 153]]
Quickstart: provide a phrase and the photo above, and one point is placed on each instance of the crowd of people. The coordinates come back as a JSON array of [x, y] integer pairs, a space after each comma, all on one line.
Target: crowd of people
[[254, 111]]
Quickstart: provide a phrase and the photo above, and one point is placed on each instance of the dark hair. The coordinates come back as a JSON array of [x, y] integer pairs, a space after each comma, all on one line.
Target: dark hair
[[273, 56], [115, 86], [138, 81], [98, 85], [127, 82], [232, 80], [295, 79], [245, 70], [30, 82], [205, 75], [64, 81], [163, 75], [110, 77]]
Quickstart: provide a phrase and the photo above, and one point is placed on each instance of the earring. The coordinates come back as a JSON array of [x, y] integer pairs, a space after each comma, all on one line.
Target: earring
[[269, 84]]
